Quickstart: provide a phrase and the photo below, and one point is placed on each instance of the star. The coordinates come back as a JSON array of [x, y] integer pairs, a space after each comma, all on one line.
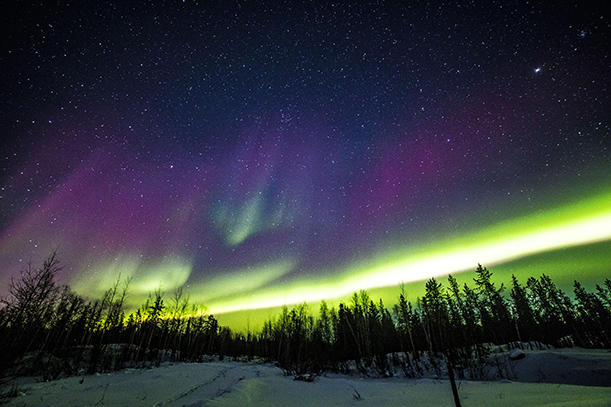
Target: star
[[339, 147]]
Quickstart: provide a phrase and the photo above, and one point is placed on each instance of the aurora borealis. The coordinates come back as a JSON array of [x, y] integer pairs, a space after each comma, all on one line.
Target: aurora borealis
[[261, 154]]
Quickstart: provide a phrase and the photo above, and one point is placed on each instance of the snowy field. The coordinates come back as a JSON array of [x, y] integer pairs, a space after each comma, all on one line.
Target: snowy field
[[564, 377]]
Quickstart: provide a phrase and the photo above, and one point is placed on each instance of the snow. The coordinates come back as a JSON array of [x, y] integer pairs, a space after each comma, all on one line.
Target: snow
[[556, 377], [516, 354], [583, 367]]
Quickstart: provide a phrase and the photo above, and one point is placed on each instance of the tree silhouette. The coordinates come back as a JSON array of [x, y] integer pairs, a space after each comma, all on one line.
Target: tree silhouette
[[523, 313], [42, 319]]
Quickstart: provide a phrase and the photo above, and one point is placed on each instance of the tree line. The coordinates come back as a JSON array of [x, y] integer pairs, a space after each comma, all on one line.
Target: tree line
[[454, 322], [62, 333]]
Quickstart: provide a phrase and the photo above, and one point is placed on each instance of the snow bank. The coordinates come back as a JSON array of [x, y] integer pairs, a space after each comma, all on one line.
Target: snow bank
[[242, 384], [583, 367]]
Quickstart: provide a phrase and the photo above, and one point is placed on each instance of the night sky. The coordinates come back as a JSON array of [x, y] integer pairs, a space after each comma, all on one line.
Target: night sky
[[260, 154]]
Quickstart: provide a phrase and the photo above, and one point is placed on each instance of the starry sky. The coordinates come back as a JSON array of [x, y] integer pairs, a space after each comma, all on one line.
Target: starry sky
[[266, 153]]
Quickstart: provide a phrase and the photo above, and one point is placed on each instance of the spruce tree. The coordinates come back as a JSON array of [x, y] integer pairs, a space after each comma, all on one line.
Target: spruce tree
[[523, 313]]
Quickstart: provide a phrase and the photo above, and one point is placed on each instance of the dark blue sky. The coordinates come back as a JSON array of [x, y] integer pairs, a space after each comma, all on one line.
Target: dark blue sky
[[292, 142]]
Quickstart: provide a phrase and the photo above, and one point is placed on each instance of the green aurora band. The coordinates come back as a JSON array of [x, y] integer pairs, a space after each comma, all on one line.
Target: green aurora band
[[242, 297], [583, 223]]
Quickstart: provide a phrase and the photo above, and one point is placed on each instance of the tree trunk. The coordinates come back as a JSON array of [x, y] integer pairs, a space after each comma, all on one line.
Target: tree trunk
[[453, 381]]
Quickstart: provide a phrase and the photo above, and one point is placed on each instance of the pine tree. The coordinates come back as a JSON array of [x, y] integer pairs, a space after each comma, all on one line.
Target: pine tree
[[594, 317], [523, 313], [404, 314], [435, 314], [324, 324], [435, 306], [456, 305], [494, 314]]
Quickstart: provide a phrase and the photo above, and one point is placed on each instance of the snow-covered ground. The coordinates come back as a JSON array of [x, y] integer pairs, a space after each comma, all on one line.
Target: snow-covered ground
[[565, 377]]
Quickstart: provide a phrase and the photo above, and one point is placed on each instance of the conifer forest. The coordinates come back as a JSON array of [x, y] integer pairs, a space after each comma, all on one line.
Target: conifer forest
[[47, 329]]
